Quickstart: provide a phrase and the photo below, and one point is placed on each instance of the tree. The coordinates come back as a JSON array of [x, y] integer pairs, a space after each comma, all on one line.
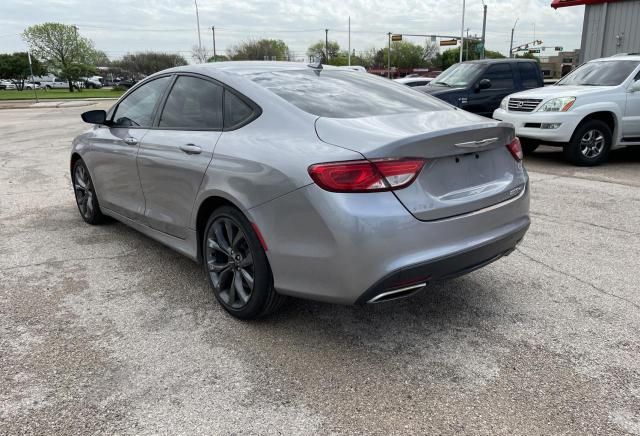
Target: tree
[[404, 54], [528, 55], [200, 54], [218, 58], [472, 51], [62, 48], [260, 50], [100, 59], [144, 64], [319, 51], [16, 67]]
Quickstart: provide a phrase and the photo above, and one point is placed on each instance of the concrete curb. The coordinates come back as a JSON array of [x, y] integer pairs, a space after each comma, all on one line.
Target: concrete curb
[[30, 104]]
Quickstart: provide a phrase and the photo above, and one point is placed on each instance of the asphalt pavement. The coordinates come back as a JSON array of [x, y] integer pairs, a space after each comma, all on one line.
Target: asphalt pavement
[[104, 331]]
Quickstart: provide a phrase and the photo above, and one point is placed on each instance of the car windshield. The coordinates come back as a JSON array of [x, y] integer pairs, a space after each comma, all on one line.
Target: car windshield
[[457, 76], [344, 94], [600, 73]]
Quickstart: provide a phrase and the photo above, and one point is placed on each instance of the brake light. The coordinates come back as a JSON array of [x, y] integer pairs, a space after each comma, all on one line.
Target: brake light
[[366, 176], [516, 149]]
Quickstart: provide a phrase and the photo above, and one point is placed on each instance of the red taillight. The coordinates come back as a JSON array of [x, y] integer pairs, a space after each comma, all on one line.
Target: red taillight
[[516, 149], [366, 176]]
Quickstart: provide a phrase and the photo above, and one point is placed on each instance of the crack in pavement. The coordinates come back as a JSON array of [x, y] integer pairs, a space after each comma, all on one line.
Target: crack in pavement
[[561, 221], [566, 274], [51, 262]]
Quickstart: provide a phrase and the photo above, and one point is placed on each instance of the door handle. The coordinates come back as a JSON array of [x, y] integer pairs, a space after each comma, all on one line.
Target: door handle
[[191, 149], [130, 140]]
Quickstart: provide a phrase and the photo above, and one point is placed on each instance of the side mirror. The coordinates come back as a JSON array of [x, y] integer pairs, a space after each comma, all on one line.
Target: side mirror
[[484, 84], [95, 117], [636, 86]]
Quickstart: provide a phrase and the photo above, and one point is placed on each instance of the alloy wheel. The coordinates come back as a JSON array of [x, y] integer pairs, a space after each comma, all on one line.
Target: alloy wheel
[[230, 262], [83, 188], [592, 144]]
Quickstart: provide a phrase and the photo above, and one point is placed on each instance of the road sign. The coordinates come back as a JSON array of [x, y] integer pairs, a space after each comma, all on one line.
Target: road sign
[[479, 48], [396, 37], [558, 48], [534, 50], [448, 42]]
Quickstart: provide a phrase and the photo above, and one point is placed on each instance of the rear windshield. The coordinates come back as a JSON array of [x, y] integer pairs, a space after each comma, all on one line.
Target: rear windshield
[[345, 94], [600, 73]]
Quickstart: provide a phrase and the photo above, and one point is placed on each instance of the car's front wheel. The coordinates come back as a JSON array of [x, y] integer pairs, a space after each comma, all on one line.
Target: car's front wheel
[[237, 266], [86, 198], [590, 144]]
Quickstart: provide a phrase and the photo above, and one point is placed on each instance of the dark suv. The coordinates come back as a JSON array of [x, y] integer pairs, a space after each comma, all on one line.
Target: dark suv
[[480, 86]]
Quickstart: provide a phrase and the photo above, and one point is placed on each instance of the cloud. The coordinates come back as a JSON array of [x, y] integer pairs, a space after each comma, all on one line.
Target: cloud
[[120, 26]]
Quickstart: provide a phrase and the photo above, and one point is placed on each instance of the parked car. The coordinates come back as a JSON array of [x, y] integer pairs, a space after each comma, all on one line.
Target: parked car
[[55, 83], [126, 83], [479, 86], [30, 85], [414, 80], [323, 183], [93, 82], [7, 85], [590, 111]]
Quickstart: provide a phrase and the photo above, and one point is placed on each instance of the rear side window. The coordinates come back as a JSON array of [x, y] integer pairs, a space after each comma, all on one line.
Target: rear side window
[[501, 76], [236, 111], [193, 104], [345, 94], [137, 108], [528, 74]]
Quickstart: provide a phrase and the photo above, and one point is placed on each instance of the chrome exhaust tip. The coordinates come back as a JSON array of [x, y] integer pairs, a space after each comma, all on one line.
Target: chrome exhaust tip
[[397, 293]]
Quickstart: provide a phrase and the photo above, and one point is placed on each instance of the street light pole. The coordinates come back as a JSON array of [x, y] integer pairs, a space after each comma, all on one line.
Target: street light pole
[[464, 4], [484, 29], [213, 32], [198, 21], [511, 45]]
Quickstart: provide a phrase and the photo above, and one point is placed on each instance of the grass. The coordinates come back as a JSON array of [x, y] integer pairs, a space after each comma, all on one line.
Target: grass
[[59, 94]]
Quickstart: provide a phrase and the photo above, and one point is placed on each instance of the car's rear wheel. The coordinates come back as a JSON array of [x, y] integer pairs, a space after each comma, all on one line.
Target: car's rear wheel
[[590, 144], [86, 197], [237, 266], [529, 145]]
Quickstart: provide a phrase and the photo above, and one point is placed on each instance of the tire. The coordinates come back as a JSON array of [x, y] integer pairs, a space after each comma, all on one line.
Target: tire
[[590, 144], [529, 145], [86, 198], [236, 266]]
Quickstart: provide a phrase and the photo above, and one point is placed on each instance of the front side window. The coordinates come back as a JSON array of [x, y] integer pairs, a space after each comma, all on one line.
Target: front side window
[[500, 75], [528, 74], [137, 109], [193, 104], [600, 73], [345, 94]]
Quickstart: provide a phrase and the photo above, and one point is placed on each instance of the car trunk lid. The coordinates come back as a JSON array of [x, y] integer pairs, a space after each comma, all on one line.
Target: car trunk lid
[[468, 166]]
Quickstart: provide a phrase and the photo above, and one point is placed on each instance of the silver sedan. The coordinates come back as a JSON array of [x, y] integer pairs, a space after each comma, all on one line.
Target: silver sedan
[[284, 179]]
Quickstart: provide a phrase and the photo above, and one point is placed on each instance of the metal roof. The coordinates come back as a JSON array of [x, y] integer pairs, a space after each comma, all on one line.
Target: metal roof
[[564, 3]]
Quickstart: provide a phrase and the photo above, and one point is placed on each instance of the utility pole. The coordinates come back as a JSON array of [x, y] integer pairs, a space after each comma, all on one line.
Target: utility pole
[[389, 58], [484, 29], [349, 57], [467, 41], [213, 32], [31, 70], [464, 5], [326, 44], [513, 29], [198, 21]]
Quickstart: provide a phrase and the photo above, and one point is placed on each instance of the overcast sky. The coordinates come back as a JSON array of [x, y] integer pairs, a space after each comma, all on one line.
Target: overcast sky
[[121, 26]]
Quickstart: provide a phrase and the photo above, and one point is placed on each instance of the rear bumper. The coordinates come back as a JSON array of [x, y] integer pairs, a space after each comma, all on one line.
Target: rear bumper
[[447, 267], [568, 121], [338, 247]]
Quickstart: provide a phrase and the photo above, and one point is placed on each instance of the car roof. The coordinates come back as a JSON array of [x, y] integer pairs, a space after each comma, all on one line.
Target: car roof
[[249, 67], [498, 61], [619, 57]]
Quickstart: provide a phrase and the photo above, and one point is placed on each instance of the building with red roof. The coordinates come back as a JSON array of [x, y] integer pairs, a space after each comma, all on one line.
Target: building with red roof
[[610, 26]]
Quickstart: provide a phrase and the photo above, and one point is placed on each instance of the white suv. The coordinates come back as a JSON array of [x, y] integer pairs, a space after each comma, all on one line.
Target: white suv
[[590, 111]]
